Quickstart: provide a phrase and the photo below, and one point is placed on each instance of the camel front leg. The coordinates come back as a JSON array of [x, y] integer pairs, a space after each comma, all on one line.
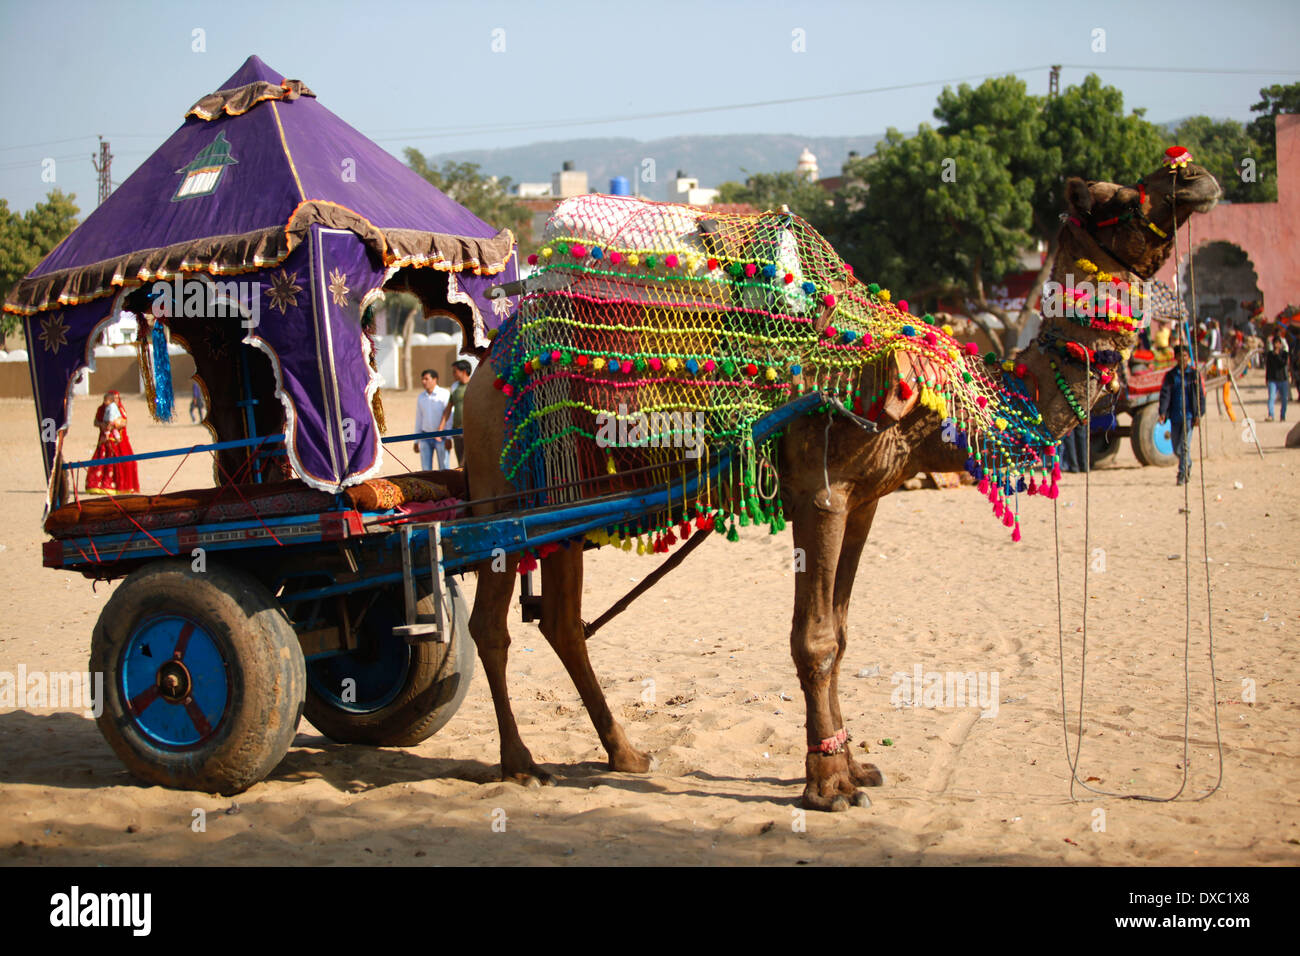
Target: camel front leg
[[815, 646], [856, 531], [561, 624], [487, 625]]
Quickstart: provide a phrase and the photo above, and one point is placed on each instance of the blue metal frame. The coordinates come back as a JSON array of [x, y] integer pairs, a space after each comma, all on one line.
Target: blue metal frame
[[467, 541]]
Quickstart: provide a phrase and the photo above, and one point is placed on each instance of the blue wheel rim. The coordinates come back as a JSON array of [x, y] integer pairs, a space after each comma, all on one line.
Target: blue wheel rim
[[1163, 440], [175, 682], [379, 675]]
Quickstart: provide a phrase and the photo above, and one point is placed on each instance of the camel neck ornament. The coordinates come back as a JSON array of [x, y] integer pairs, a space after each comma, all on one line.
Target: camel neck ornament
[[662, 309]]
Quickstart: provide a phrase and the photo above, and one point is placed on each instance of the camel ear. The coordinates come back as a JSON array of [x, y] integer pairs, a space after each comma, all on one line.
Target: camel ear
[[1127, 196], [1078, 196]]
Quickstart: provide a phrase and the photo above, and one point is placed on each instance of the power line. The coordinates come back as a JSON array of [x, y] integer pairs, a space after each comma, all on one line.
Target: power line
[[418, 133]]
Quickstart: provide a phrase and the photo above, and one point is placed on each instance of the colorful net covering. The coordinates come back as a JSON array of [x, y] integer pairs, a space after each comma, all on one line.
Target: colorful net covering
[[654, 336]]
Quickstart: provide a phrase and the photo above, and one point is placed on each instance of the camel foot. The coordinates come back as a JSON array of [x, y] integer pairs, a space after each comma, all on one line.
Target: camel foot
[[532, 779], [833, 785], [632, 761], [866, 774]]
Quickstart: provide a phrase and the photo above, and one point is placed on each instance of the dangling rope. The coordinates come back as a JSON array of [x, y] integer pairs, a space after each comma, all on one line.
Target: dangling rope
[[1073, 760]]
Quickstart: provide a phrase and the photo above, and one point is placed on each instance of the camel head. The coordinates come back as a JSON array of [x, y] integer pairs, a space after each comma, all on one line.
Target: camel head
[[1136, 223]]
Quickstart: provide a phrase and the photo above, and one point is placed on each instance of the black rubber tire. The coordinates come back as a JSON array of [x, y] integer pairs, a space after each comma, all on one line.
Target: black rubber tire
[[434, 687], [1145, 422], [1104, 450], [265, 674]]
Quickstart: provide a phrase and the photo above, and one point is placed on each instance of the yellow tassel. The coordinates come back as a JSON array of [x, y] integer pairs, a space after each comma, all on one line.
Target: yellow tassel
[[377, 406]]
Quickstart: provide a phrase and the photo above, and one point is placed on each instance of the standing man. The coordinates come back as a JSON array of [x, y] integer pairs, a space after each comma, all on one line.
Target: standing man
[[455, 403], [1277, 375], [1182, 403], [428, 416]]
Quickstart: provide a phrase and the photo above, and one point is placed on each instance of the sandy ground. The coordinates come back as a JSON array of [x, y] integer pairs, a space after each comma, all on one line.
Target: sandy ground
[[941, 588]]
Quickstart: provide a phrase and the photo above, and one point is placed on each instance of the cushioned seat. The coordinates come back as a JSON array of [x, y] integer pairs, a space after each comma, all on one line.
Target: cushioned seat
[[102, 514]]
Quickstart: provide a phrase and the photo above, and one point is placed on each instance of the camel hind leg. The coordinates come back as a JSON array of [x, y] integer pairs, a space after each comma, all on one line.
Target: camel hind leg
[[561, 624]]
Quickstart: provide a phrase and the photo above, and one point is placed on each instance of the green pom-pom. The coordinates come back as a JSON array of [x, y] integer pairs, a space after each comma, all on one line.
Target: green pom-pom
[[873, 288]]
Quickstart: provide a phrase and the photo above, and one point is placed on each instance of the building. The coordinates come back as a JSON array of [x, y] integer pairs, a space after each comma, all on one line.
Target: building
[[1245, 252], [686, 189], [807, 166], [568, 181]]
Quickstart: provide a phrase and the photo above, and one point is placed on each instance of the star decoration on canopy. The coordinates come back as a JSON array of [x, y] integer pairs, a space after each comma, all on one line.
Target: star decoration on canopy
[[338, 288], [54, 333], [284, 291]]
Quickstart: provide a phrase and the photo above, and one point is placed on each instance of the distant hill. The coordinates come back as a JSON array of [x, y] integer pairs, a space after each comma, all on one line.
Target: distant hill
[[711, 159]]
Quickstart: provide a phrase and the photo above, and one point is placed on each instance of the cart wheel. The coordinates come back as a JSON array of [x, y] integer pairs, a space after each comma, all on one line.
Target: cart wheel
[[1151, 441], [204, 677], [1104, 450], [399, 694]]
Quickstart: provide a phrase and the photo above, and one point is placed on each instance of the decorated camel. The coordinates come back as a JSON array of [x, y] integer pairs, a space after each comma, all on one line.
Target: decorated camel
[[695, 326]]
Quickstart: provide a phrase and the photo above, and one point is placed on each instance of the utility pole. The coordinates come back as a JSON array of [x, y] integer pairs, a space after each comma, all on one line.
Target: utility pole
[[103, 165], [1054, 82]]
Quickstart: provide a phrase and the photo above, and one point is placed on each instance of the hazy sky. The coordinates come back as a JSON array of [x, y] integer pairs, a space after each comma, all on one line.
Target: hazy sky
[[427, 74]]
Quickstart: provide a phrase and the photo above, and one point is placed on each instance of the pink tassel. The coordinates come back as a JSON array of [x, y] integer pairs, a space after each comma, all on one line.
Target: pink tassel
[[1008, 518], [1015, 535], [1056, 472], [998, 509], [984, 486], [1033, 488]]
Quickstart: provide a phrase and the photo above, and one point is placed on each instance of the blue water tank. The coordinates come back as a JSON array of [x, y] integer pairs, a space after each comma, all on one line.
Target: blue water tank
[[619, 186]]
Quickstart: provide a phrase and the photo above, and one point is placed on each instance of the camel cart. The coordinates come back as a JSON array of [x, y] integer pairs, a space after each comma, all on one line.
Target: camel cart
[[1139, 395], [258, 237]]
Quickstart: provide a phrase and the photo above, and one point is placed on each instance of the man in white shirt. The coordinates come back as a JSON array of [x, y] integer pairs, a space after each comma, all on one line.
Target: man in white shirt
[[428, 417]]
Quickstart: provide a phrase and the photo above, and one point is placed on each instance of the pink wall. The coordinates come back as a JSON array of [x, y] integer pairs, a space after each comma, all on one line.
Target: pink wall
[[1268, 232]]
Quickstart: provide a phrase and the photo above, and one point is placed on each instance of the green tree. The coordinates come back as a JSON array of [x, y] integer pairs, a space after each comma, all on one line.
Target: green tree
[[1011, 153], [932, 216], [1221, 146], [485, 196], [1272, 101], [765, 191], [27, 239]]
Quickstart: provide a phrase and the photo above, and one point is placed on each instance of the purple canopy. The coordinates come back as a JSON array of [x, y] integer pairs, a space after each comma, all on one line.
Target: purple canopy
[[263, 188]]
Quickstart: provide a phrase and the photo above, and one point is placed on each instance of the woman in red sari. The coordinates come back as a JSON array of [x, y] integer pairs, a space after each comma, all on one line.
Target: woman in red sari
[[121, 478]]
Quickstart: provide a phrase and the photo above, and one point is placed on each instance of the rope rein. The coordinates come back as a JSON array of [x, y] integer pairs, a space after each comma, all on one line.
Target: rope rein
[[1073, 760]]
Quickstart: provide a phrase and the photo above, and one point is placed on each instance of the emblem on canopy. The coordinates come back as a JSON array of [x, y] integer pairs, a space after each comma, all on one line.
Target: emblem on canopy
[[203, 174]]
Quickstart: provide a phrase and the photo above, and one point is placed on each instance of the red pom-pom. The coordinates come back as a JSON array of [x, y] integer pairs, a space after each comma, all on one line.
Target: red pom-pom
[[902, 305], [507, 390], [555, 355], [615, 258], [581, 360], [904, 391], [1020, 370], [713, 264], [655, 364], [670, 260], [830, 331], [972, 348], [828, 300], [527, 563], [751, 369], [789, 277], [982, 401], [750, 269], [866, 338], [532, 260], [578, 250], [499, 384]]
